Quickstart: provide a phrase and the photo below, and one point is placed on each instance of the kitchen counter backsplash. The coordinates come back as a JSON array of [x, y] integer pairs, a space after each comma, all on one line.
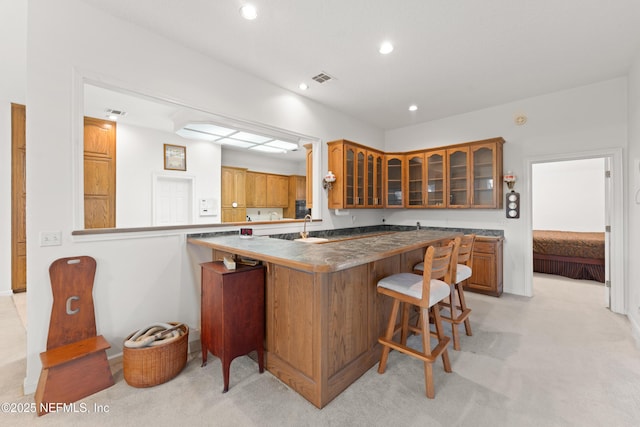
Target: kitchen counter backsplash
[[360, 231]]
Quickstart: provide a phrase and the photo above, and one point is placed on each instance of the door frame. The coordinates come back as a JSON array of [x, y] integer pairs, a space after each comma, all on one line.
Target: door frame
[[615, 214]]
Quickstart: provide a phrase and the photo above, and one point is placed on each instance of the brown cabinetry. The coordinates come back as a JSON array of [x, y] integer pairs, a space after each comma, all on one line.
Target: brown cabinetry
[[486, 175], [487, 266], [435, 177], [458, 161], [256, 190], [234, 205], [467, 175], [232, 313], [374, 189], [265, 190], [297, 191], [393, 179], [277, 191], [359, 173]]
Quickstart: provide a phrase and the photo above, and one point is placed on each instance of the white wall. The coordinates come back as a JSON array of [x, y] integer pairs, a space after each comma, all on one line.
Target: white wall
[[573, 121], [68, 37], [569, 195], [139, 155], [633, 211], [13, 43]]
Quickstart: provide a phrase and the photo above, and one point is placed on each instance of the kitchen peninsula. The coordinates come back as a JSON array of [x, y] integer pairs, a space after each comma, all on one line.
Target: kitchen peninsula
[[323, 315]]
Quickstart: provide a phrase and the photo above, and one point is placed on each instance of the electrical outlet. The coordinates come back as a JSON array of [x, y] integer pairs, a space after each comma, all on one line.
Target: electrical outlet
[[50, 238]]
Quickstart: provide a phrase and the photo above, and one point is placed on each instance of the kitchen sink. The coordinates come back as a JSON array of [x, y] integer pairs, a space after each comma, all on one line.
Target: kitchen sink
[[311, 240]]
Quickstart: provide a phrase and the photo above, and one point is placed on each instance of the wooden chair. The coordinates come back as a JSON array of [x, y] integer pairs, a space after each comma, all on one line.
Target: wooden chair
[[426, 293], [458, 310], [75, 364]]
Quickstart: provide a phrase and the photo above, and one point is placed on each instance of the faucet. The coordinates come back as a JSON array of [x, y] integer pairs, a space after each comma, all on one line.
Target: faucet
[[304, 234], [271, 214]]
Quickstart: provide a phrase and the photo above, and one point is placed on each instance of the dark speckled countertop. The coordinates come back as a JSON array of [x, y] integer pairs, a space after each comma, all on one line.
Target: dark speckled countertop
[[334, 255]]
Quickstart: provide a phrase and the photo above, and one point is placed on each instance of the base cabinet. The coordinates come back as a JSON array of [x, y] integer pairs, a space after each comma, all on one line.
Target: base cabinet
[[487, 266], [232, 316]]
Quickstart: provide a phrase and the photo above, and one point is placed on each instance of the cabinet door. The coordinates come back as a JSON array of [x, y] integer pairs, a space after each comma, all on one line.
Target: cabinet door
[[487, 266], [277, 191], [373, 183], [414, 180], [360, 178], [435, 177], [393, 180], [234, 214], [256, 190], [233, 187], [458, 161], [484, 176], [349, 176], [378, 173], [337, 162]]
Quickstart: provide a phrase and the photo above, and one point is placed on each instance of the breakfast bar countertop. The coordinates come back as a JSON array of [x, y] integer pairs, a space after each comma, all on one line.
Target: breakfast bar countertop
[[333, 255]]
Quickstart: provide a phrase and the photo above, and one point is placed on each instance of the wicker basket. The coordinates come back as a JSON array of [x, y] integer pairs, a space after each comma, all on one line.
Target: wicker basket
[[150, 366]]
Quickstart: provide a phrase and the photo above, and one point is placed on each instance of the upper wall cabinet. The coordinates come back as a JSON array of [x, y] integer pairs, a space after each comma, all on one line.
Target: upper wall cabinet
[[394, 165], [475, 175], [463, 176], [359, 175], [486, 174], [374, 188], [458, 159], [425, 183]]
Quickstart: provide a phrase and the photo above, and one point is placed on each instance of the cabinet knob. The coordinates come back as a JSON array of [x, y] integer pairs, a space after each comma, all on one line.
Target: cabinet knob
[[234, 204]]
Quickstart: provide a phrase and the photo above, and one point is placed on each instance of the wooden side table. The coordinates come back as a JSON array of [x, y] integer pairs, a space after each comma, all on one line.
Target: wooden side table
[[232, 316]]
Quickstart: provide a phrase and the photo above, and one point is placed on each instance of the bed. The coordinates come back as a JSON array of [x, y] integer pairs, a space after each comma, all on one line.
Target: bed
[[578, 255]]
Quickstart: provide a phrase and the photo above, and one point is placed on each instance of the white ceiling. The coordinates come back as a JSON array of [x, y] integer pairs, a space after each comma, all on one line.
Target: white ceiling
[[450, 57]]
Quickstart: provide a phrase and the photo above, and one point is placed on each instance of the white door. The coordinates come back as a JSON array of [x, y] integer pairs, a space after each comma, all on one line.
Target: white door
[[173, 201]]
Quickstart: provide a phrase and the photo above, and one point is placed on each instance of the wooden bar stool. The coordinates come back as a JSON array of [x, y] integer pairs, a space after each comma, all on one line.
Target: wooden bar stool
[[426, 293], [458, 310]]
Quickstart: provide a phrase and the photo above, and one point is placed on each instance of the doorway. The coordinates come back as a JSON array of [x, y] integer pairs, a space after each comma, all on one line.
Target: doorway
[[608, 192], [18, 199]]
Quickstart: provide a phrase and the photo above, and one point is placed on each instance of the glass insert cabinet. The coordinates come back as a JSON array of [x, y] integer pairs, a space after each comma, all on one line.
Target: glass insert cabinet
[[466, 175]]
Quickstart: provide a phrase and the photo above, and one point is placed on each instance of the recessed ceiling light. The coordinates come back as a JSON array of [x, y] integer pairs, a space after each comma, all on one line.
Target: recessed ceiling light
[[249, 12], [413, 107], [303, 86], [386, 48]]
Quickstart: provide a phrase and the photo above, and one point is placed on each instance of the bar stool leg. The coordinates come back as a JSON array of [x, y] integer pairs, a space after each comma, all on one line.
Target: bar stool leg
[[463, 307], [389, 336], [426, 349], [441, 336]]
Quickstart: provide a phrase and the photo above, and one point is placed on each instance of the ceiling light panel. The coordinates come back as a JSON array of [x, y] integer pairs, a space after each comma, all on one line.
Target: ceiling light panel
[[266, 149], [251, 137], [195, 134], [236, 143], [210, 128], [285, 145]]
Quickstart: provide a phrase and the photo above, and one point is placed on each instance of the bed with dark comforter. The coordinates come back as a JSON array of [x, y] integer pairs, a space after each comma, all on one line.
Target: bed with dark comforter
[[578, 255]]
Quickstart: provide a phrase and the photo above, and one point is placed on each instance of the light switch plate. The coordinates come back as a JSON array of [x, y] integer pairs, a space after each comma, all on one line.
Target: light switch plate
[[50, 238]]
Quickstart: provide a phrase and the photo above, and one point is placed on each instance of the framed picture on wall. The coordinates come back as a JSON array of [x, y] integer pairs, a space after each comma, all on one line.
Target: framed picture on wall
[[175, 157]]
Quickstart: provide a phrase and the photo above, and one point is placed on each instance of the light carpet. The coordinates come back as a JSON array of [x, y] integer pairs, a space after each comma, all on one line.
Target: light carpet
[[556, 359]]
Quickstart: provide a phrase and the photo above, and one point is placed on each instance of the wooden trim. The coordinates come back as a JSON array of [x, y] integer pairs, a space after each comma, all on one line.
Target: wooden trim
[[18, 198]]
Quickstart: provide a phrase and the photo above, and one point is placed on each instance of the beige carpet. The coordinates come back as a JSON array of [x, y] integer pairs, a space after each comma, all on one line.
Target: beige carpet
[[557, 359]]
